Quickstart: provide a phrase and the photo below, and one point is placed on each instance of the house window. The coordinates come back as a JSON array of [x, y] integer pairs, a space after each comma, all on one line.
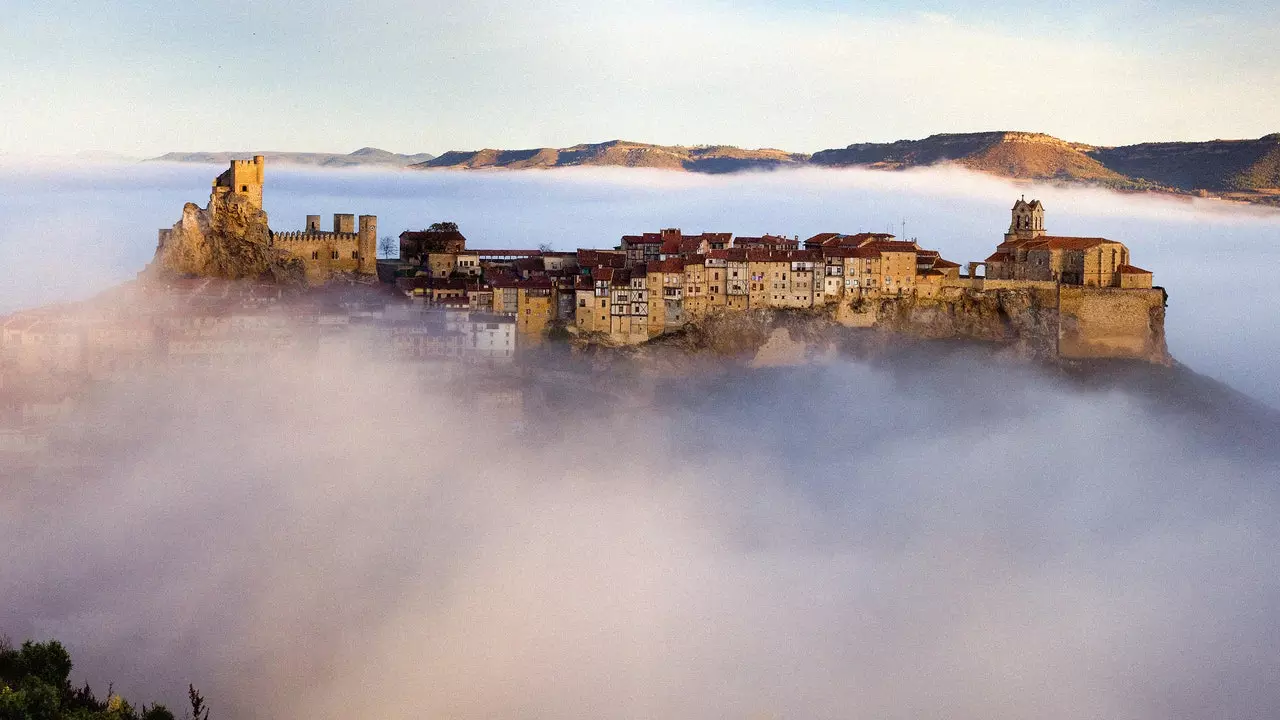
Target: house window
[[334, 254], [244, 188], [355, 254], [582, 303], [315, 254]]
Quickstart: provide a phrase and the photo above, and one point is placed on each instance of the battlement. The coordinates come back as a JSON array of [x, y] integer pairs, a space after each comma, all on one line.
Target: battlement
[[351, 247], [312, 236]]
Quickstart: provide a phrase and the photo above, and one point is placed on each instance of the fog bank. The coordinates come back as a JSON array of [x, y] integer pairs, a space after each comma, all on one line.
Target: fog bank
[[943, 538], [79, 228]]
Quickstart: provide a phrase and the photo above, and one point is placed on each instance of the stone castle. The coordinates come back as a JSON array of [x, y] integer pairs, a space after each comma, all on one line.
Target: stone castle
[[236, 202]]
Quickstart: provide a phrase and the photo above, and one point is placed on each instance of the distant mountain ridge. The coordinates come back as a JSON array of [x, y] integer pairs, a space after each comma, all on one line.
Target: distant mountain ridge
[[1021, 155], [1245, 170], [1218, 165], [620, 153], [366, 156]]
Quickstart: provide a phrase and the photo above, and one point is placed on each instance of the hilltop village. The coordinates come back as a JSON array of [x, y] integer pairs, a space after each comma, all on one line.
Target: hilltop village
[[657, 282], [226, 290]]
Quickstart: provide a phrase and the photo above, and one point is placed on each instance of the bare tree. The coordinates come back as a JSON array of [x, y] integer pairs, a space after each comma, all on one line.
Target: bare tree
[[199, 711], [387, 247]]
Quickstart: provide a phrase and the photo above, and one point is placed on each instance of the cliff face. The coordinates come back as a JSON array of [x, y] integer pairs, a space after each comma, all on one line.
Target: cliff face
[[1028, 324], [229, 240], [1024, 320]]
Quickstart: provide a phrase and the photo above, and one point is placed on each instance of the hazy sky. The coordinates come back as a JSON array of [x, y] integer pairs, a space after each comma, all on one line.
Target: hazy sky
[[147, 76]]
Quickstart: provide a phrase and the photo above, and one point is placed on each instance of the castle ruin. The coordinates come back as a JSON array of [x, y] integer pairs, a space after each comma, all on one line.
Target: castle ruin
[[347, 248]]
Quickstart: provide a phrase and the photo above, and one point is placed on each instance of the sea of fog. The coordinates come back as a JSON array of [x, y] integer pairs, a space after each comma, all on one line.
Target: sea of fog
[[72, 229], [933, 536]]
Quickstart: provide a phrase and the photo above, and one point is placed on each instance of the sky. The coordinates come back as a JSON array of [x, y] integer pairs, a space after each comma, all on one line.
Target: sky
[[144, 77]]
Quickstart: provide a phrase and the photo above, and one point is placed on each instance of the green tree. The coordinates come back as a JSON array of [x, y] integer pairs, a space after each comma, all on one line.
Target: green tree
[[35, 685], [49, 662], [157, 712]]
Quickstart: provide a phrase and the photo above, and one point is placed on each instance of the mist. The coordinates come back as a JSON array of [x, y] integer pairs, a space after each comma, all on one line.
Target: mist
[[77, 228], [938, 537], [935, 534]]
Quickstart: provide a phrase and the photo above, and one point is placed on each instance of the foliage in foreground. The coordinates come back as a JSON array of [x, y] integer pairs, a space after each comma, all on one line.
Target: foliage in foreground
[[35, 685]]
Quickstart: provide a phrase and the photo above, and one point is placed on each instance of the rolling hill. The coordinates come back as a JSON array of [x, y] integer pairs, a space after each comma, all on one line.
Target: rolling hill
[[1245, 170], [367, 156], [619, 153], [1219, 165], [1029, 156]]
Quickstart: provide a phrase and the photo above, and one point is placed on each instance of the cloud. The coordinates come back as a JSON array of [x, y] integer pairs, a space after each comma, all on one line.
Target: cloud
[[935, 536]]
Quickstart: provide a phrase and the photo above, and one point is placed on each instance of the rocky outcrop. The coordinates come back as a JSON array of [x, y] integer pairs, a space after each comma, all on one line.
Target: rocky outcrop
[[229, 239], [1024, 320], [1026, 324]]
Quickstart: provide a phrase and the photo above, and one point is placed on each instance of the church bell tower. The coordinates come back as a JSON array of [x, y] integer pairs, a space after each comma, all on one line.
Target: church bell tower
[[1028, 220]]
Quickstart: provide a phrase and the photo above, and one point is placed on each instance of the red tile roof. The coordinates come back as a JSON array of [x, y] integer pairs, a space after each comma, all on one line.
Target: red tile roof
[[645, 239], [893, 246], [1132, 270], [690, 244], [1056, 242]]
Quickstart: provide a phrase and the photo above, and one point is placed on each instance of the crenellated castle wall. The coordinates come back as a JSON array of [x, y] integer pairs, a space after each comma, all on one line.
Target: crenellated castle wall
[[322, 253]]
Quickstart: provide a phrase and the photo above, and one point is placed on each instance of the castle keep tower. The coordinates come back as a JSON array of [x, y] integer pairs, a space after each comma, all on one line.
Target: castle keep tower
[[243, 178], [346, 250], [368, 241], [1028, 221]]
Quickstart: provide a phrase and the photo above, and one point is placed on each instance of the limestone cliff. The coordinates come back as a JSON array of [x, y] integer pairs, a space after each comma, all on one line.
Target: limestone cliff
[[229, 239], [1071, 324], [1024, 320]]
